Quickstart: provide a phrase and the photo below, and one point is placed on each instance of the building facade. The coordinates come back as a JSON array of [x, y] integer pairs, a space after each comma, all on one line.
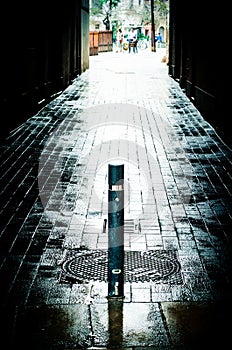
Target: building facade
[[131, 13], [198, 59], [43, 49]]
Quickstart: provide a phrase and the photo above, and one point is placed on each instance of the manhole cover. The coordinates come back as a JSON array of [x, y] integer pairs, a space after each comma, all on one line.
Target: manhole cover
[[152, 265]]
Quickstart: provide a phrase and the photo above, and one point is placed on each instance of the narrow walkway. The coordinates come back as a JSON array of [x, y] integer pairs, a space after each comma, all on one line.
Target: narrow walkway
[[54, 207]]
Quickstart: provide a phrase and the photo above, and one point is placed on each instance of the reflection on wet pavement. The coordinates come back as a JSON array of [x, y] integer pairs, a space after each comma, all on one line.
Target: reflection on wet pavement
[[54, 190]]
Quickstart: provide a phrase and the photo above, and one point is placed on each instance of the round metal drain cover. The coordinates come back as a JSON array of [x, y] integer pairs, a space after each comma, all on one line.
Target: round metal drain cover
[[156, 265]]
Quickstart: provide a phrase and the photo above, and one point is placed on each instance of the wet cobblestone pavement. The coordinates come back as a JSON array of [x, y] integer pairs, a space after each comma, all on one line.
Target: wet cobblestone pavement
[[126, 109]]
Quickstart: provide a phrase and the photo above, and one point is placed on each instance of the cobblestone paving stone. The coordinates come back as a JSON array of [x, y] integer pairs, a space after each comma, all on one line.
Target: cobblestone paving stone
[[125, 108]]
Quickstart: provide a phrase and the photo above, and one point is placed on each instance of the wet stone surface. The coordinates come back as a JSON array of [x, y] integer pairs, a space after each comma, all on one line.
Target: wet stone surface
[[139, 266], [53, 193]]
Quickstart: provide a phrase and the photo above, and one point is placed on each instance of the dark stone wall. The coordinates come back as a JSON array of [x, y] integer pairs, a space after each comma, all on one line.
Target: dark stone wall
[[42, 50], [198, 57]]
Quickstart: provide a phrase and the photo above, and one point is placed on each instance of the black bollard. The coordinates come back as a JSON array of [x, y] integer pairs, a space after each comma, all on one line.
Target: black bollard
[[115, 323], [116, 231]]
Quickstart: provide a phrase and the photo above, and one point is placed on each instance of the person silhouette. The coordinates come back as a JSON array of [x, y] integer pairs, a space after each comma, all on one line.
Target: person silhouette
[[132, 38]]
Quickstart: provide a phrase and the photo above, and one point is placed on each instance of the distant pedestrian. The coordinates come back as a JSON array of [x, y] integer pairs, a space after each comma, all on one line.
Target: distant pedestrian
[[132, 38], [159, 38], [119, 40]]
